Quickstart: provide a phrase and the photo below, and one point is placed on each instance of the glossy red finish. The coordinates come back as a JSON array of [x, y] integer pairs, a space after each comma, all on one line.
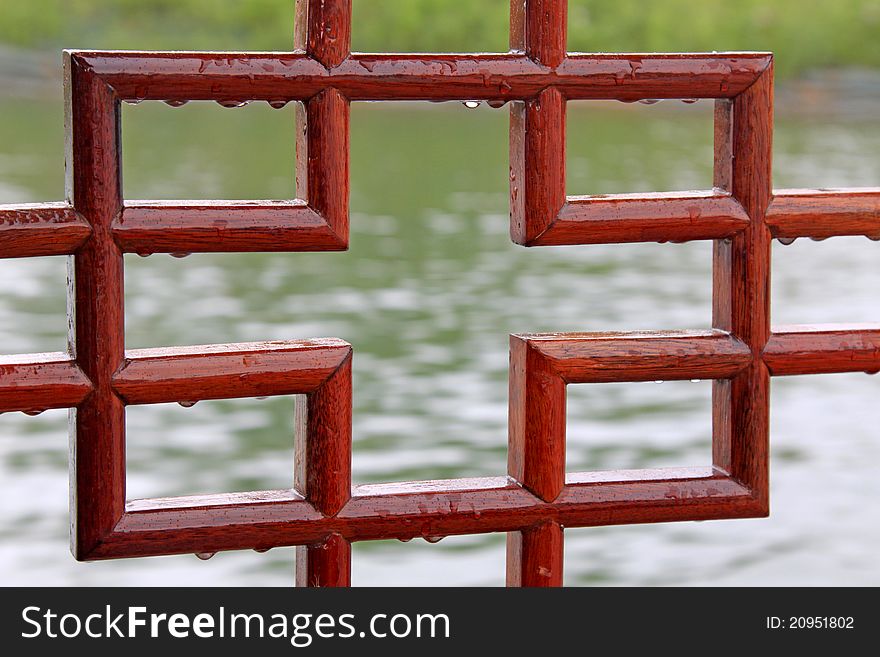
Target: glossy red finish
[[423, 509], [741, 288], [239, 76], [321, 512], [823, 349], [36, 382], [670, 217], [40, 229], [154, 376], [97, 327], [541, 547], [825, 213], [147, 227]]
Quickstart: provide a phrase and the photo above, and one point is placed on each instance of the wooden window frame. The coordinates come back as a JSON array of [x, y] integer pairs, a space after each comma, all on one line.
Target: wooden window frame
[[322, 513]]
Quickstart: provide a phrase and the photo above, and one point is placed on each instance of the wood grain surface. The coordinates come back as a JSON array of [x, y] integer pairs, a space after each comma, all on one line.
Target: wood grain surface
[[321, 512]]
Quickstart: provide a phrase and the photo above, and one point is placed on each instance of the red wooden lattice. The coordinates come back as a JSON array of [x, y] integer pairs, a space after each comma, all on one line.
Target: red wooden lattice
[[322, 513]]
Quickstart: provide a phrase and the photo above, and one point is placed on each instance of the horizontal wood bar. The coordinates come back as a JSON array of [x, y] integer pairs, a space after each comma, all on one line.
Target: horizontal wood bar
[[214, 226], [641, 356], [36, 382], [823, 349], [154, 376], [667, 217], [825, 213], [430, 509], [630, 77], [41, 229], [511, 76]]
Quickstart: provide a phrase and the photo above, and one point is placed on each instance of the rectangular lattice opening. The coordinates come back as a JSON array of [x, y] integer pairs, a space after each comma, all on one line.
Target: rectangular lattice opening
[[611, 287], [212, 446], [476, 560], [421, 292], [823, 146], [202, 150], [638, 426], [825, 428], [833, 281], [33, 305], [234, 297], [31, 139], [617, 148], [33, 487], [677, 554], [388, 26]]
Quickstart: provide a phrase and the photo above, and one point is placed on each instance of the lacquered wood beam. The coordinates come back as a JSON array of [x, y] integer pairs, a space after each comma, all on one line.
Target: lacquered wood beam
[[634, 356], [825, 213], [147, 227], [97, 331], [36, 382], [823, 349], [741, 286], [280, 76], [41, 229], [660, 217], [422, 509], [167, 374]]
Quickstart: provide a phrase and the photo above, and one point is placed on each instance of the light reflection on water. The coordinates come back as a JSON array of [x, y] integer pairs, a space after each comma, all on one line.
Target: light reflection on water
[[427, 295]]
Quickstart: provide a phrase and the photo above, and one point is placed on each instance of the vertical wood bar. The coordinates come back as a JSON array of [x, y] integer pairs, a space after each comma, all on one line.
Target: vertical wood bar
[[323, 449], [537, 164], [741, 283], [536, 459], [322, 157], [323, 474], [323, 30], [540, 29], [536, 449], [95, 307], [325, 565], [537, 126], [534, 556]]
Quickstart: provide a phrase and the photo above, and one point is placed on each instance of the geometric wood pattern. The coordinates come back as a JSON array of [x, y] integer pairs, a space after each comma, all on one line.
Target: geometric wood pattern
[[321, 513]]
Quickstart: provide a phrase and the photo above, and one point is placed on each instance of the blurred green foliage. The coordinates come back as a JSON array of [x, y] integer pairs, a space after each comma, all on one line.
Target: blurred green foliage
[[803, 33]]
